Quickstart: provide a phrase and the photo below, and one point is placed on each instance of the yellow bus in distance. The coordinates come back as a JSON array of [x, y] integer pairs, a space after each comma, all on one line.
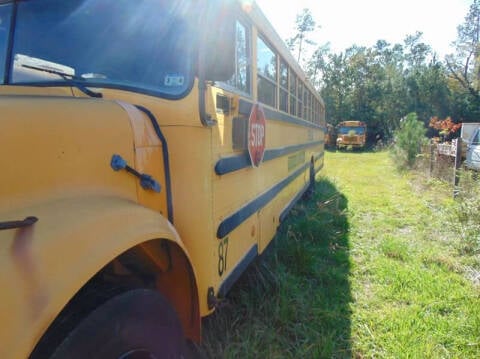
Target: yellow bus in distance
[[351, 134], [150, 150]]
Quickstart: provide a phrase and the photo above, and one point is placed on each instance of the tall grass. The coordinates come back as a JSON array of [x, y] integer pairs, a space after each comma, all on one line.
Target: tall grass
[[464, 214], [294, 301], [369, 267]]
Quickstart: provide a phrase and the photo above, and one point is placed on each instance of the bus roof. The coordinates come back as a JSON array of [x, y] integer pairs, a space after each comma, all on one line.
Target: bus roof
[[352, 123]]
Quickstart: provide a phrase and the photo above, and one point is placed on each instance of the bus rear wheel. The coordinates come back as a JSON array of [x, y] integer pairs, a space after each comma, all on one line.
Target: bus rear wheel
[[137, 324]]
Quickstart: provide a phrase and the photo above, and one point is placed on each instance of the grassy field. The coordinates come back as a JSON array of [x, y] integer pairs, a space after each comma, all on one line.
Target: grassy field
[[366, 268]]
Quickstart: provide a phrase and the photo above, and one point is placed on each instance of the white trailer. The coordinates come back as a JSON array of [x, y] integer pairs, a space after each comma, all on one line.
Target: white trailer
[[466, 134], [467, 130]]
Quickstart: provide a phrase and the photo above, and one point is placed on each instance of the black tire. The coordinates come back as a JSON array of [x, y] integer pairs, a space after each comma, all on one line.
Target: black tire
[[136, 324]]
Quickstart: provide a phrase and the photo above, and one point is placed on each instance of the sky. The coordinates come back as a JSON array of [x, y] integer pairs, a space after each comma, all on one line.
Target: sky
[[347, 22]]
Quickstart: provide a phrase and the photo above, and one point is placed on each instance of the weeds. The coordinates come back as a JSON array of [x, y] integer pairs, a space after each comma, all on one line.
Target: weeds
[[368, 267], [294, 301], [465, 219]]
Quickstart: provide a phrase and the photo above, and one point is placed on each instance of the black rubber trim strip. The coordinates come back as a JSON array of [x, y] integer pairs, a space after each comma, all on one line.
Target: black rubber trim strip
[[18, 224], [287, 209], [282, 151], [166, 161], [232, 164], [299, 195], [237, 218], [238, 270], [99, 85], [238, 162], [245, 107]]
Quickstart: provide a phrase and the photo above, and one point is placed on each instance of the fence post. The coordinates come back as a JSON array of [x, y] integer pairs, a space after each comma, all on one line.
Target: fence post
[[431, 147], [458, 163]]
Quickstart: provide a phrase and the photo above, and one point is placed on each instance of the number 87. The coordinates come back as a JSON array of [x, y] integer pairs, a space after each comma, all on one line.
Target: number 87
[[222, 256]]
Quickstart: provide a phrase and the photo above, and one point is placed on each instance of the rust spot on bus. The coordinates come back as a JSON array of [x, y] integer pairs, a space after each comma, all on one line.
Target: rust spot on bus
[[26, 266]]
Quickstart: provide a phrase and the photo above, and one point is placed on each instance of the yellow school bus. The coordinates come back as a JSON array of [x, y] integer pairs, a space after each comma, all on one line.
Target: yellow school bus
[[149, 151], [351, 134]]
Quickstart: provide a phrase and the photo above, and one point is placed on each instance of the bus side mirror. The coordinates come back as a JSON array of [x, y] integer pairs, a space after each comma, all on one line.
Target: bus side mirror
[[217, 52]]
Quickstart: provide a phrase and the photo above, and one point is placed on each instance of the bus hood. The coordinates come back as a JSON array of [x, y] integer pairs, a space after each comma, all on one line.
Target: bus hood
[[58, 147]]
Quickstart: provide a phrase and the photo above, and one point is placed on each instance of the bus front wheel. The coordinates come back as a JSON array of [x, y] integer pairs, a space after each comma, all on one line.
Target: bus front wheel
[[136, 324]]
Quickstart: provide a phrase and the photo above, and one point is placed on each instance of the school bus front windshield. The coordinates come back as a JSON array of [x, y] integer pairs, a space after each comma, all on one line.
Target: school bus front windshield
[[103, 44], [346, 130]]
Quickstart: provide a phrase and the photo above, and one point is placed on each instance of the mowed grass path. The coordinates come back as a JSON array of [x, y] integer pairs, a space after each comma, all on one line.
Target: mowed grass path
[[362, 269], [410, 296]]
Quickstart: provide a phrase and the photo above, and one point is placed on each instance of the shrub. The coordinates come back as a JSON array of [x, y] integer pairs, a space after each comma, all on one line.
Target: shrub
[[408, 140], [446, 128]]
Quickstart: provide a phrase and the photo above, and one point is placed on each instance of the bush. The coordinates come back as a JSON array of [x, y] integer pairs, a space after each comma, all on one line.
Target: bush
[[408, 141]]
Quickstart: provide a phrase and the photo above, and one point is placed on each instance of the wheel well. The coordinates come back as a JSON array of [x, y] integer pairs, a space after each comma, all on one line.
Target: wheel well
[[157, 264]]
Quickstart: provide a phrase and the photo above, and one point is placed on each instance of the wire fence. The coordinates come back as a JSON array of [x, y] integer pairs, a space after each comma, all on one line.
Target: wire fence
[[442, 161]]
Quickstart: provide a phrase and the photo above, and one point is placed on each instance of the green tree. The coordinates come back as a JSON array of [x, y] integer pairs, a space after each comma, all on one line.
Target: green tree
[[336, 88], [408, 140], [392, 104], [365, 84], [464, 65], [416, 52], [379, 84], [304, 25], [416, 57], [317, 65]]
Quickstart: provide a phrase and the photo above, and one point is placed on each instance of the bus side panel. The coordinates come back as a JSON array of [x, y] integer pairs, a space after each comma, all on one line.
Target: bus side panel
[[231, 192], [191, 171], [271, 215], [263, 192]]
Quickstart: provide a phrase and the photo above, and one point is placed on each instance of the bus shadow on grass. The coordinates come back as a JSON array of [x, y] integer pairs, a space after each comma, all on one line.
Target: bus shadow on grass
[[294, 301]]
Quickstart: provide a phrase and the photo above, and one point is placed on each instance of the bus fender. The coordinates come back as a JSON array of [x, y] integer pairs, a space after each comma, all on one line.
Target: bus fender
[[73, 239]]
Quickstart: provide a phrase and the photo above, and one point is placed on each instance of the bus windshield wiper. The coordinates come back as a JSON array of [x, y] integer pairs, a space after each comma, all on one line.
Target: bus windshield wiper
[[70, 79]]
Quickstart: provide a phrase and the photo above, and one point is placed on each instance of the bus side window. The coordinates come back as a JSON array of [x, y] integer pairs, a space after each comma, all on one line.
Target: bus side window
[[241, 79], [293, 93], [300, 99], [5, 15], [267, 74], [283, 100]]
